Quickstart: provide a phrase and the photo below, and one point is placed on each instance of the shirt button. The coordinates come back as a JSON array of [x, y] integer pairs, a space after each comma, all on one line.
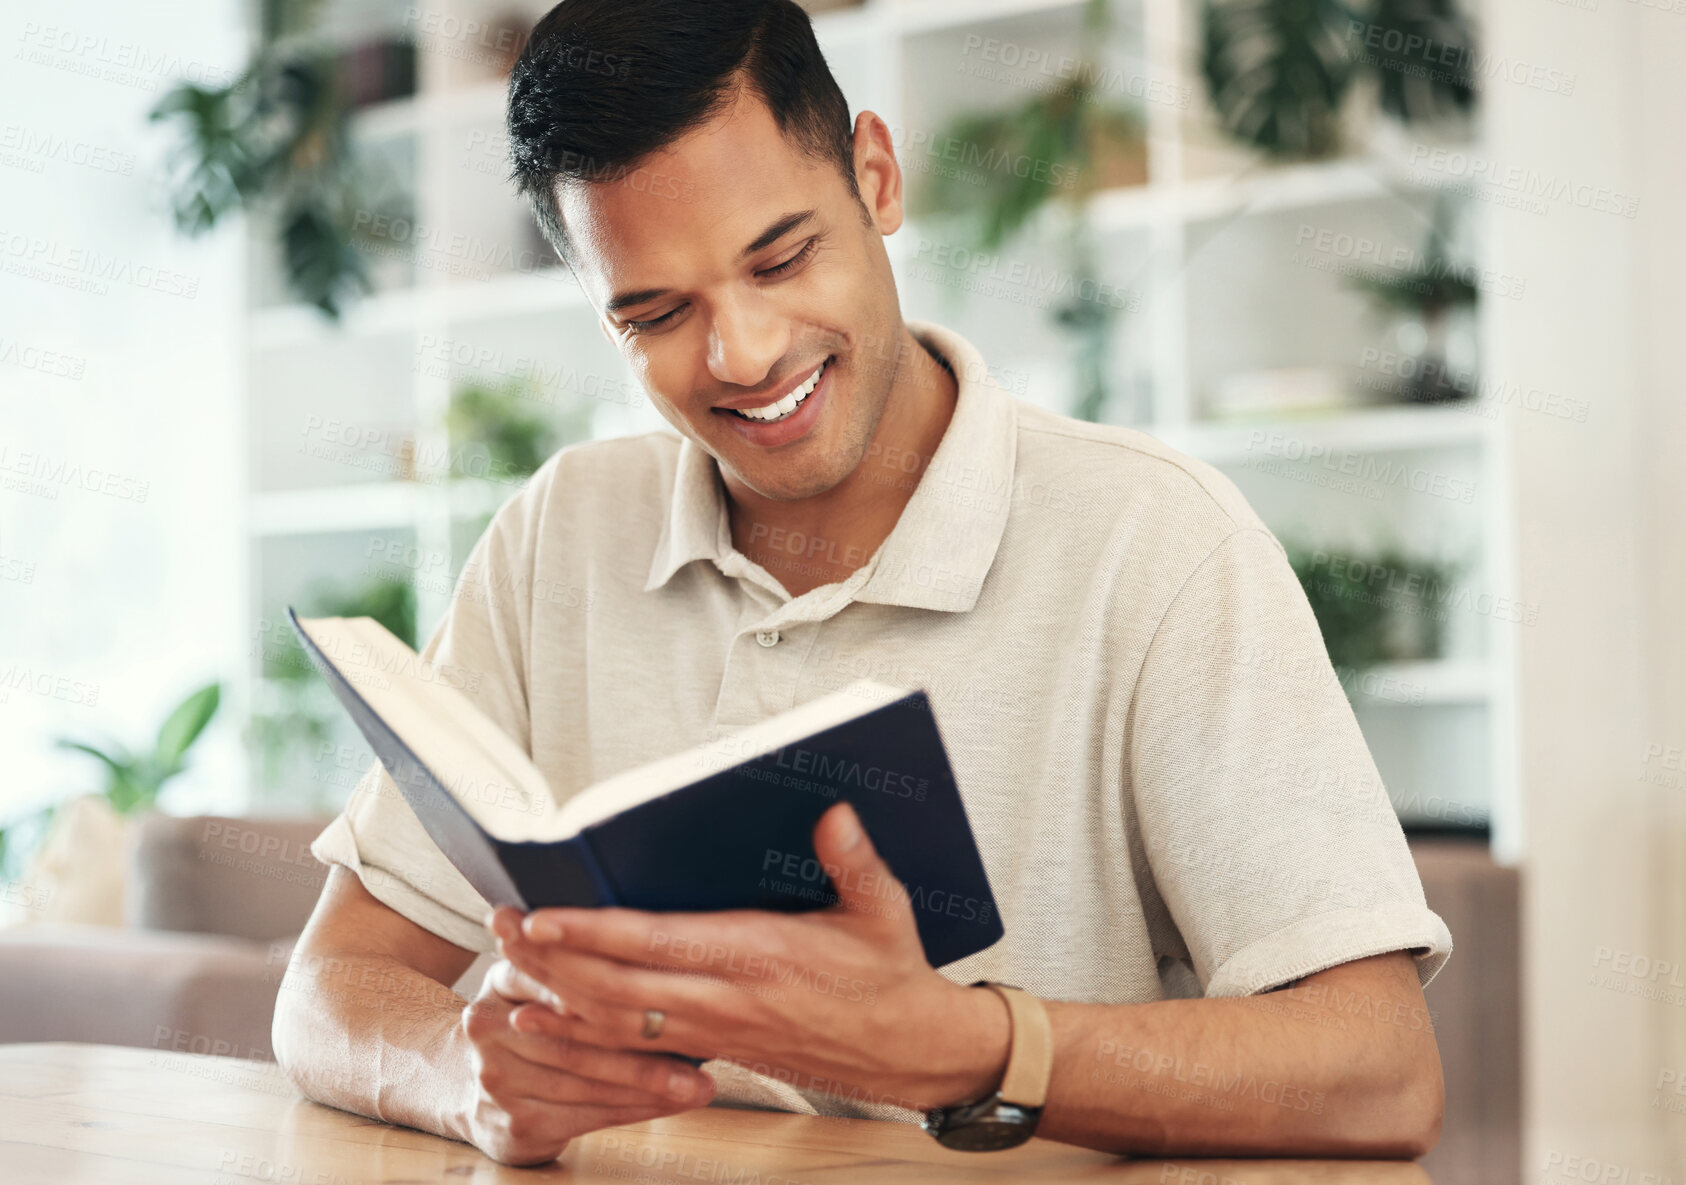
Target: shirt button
[[768, 637]]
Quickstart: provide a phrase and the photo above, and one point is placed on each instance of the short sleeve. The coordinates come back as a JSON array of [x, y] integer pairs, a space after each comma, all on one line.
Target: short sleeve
[[378, 836], [1267, 829]]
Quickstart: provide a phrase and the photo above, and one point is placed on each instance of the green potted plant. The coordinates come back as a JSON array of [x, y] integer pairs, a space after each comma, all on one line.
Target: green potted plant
[[294, 715], [133, 779], [1072, 131], [77, 869], [1364, 624], [1278, 71], [1429, 293], [501, 432], [276, 142]]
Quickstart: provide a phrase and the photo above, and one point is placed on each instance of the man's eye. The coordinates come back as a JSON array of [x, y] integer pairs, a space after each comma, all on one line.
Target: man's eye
[[794, 261], [654, 322]]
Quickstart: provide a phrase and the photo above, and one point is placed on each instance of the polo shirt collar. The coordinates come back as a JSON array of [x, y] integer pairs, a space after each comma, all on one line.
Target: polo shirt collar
[[696, 526], [942, 546]]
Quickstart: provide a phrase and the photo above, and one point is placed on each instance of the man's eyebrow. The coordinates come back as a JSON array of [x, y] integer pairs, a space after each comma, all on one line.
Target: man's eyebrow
[[776, 232], [628, 299], [765, 239]]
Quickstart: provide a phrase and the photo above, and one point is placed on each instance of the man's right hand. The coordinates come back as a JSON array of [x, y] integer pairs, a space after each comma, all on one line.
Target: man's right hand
[[530, 1093]]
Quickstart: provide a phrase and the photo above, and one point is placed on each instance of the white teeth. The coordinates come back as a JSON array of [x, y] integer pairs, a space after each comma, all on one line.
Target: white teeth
[[783, 408]]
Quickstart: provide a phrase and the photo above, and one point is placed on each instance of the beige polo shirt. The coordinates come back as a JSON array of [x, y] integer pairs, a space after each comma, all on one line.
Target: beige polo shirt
[[1165, 779]]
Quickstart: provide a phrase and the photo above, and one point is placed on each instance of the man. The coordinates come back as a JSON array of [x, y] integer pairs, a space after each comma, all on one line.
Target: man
[[1175, 808]]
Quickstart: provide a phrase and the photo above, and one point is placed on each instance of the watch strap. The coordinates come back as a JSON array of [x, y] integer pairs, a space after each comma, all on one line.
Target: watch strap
[[1030, 1058]]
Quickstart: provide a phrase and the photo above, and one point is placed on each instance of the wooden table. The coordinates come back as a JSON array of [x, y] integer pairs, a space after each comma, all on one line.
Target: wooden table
[[73, 1114]]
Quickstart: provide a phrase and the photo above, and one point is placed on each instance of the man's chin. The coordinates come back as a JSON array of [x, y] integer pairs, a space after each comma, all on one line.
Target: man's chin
[[783, 481], [761, 469]]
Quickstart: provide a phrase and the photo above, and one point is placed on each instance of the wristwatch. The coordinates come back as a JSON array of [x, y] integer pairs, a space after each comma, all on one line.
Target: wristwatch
[[1007, 1117]]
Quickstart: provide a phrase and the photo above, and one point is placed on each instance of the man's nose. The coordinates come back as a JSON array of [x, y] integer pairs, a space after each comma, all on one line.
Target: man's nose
[[745, 339]]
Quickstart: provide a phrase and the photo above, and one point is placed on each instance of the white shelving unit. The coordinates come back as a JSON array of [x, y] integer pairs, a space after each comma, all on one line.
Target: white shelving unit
[[1205, 248]]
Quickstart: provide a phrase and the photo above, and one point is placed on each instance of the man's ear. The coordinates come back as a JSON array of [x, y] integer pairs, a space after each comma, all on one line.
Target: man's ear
[[877, 173]]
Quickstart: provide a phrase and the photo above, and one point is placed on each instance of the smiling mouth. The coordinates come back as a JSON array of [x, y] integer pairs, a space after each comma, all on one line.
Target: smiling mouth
[[781, 409]]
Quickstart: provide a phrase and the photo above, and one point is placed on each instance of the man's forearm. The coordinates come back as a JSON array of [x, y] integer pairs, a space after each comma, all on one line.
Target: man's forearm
[[1344, 1065], [370, 1035]]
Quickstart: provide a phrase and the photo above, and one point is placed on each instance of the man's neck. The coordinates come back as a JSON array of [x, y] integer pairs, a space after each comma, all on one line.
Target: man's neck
[[821, 540]]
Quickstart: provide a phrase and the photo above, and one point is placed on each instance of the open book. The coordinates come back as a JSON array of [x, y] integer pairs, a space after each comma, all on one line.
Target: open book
[[727, 825]]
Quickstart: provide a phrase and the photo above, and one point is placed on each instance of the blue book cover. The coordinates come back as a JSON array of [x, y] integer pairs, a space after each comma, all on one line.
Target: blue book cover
[[728, 825]]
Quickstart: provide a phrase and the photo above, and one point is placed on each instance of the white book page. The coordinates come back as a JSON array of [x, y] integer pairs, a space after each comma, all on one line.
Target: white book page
[[496, 782], [482, 767]]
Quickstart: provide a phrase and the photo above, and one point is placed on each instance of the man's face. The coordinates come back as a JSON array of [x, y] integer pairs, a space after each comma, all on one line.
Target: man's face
[[731, 268]]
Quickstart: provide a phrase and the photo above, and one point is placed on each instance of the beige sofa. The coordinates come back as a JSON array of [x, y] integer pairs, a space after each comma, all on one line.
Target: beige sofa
[[213, 907]]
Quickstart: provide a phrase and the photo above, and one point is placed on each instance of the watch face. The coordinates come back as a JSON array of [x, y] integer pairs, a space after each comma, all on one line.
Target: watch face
[[985, 1126], [985, 1135]]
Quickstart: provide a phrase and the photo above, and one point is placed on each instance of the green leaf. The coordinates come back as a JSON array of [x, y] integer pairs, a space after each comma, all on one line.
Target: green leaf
[[1423, 53], [126, 775], [275, 143], [129, 794], [1277, 72], [322, 265], [182, 727], [118, 761]]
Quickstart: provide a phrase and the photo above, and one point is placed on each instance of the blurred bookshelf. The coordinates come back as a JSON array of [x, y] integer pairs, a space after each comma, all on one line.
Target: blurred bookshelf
[[1239, 340]]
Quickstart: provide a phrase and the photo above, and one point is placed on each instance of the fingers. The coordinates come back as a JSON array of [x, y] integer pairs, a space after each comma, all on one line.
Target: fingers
[[534, 1091], [634, 936], [552, 1071], [582, 1048], [533, 1132], [544, 1021], [602, 990], [515, 985], [510, 1020], [866, 888]]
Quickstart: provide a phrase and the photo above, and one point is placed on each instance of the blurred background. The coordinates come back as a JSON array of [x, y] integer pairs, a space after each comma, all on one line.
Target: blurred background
[[273, 330]]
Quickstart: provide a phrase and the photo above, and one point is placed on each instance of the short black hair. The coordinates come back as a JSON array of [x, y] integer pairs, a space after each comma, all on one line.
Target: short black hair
[[602, 84]]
